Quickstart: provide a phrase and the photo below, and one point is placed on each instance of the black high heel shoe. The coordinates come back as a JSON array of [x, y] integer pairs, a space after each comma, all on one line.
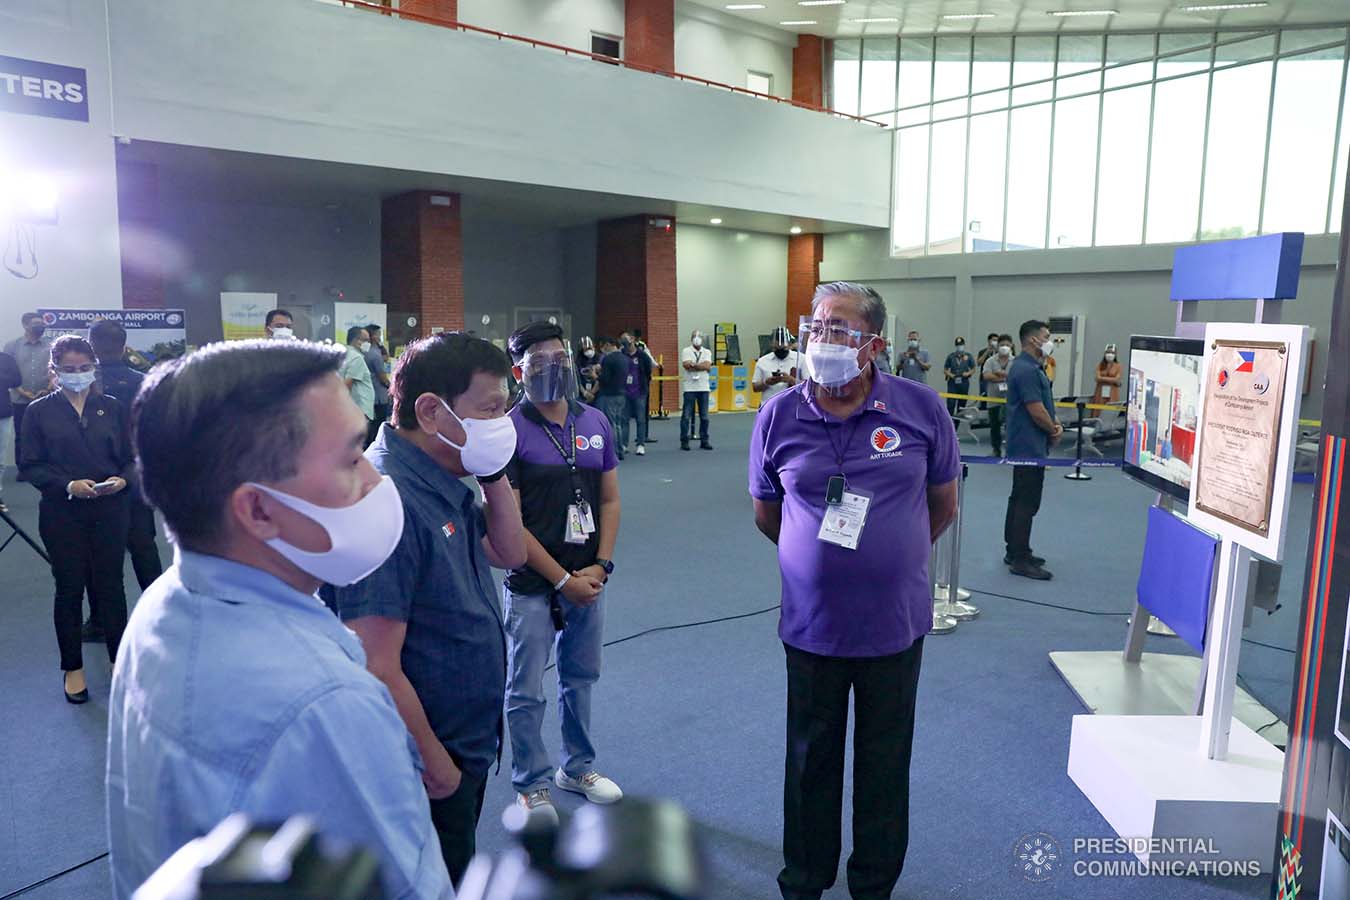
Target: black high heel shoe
[[77, 698]]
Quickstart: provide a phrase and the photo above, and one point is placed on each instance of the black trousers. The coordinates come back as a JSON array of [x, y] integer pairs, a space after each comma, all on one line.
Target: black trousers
[[694, 401], [19, 410], [141, 543], [456, 820], [87, 541], [996, 427], [1023, 504], [884, 690], [956, 387], [373, 426]]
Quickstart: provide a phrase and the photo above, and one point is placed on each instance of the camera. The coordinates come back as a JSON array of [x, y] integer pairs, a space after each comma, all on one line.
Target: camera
[[635, 848]]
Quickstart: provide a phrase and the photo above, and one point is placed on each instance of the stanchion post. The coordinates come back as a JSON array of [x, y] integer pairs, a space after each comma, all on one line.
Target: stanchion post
[[959, 609], [943, 621], [1077, 473]]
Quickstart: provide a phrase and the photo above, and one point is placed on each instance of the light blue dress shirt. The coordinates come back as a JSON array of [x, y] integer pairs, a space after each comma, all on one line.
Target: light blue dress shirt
[[234, 692]]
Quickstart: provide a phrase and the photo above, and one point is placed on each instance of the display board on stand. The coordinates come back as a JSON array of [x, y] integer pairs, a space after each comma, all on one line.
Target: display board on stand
[[154, 334], [1210, 774]]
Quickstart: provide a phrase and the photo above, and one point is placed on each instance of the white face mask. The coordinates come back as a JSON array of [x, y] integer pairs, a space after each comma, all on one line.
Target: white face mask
[[993, 345], [488, 444], [913, 345], [362, 536], [1110, 357], [282, 332], [365, 347], [698, 343], [1048, 348], [1005, 351], [832, 365], [76, 382]]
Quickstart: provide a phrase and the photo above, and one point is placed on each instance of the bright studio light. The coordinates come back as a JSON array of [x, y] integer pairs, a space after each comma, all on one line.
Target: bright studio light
[[795, 229], [30, 199]]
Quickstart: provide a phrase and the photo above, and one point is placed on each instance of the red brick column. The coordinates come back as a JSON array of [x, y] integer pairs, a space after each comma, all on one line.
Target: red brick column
[[440, 9], [805, 251], [139, 236], [635, 287], [422, 259], [808, 70], [649, 33]]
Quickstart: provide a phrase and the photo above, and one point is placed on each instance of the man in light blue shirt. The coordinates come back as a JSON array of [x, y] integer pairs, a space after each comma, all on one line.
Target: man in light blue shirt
[[236, 690]]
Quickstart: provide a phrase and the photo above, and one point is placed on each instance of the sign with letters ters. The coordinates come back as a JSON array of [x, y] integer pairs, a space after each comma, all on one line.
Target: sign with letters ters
[[37, 88]]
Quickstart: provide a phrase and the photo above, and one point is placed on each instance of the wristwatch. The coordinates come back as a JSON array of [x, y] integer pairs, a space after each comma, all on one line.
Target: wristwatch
[[607, 565]]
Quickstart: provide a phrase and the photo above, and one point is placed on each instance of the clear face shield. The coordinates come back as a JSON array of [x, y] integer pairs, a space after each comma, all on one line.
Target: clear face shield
[[548, 375], [834, 352], [588, 355]]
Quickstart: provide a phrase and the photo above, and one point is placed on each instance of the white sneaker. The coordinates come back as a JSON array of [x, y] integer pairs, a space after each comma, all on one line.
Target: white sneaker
[[641, 450], [596, 787], [538, 804]]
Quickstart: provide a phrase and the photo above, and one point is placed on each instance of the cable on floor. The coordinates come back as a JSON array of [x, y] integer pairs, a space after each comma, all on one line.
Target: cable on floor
[[660, 628], [50, 878]]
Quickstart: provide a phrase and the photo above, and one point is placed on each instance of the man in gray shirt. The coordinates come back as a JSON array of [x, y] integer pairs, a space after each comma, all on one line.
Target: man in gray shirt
[[914, 363], [376, 358], [33, 353]]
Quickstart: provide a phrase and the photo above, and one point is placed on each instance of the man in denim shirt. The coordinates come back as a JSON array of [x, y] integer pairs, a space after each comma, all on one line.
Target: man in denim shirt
[[429, 617], [236, 690]]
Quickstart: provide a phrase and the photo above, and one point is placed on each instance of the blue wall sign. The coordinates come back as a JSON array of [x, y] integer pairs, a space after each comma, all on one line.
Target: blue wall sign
[[37, 88]]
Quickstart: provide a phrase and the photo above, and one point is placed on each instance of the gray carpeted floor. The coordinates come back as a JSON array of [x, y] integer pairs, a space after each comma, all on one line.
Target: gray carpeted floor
[[697, 714]]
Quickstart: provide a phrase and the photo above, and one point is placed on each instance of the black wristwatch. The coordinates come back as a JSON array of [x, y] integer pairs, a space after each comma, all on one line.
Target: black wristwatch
[[607, 565], [489, 479]]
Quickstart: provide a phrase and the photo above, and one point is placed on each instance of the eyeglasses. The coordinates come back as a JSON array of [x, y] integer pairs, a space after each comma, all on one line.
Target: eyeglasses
[[837, 331]]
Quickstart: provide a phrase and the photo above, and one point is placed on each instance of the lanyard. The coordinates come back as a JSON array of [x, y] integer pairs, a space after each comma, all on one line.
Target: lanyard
[[568, 457], [840, 453]]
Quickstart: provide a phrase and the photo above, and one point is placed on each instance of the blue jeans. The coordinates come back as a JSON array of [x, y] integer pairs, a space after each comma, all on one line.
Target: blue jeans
[[635, 409], [693, 400], [615, 408], [529, 636]]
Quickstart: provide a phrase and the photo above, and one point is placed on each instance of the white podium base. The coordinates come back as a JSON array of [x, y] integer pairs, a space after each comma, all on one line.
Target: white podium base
[[1160, 684], [1148, 778]]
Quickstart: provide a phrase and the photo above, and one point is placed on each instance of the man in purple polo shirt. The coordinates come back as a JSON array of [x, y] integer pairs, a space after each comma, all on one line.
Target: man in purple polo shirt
[[567, 483], [853, 474]]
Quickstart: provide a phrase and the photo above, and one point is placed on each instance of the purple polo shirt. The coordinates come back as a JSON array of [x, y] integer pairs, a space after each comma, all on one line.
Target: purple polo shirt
[[547, 488], [875, 600], [634, 386]]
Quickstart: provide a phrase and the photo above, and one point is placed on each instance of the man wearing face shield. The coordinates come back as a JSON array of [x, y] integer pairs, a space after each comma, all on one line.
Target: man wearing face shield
[[588, 370], [429, 617], [565, 473], [853, 476], [235, 689], [776, 371], [697, 361]]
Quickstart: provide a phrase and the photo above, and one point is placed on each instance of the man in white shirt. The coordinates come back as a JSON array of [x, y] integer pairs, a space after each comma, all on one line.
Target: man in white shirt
[[776, 370], [696, 361]]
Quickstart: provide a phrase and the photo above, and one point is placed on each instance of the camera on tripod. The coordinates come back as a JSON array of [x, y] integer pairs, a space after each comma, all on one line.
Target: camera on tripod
[[636, 848]]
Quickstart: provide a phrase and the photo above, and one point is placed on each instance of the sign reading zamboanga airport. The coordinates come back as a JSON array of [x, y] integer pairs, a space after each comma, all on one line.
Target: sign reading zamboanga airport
[[43, 89]]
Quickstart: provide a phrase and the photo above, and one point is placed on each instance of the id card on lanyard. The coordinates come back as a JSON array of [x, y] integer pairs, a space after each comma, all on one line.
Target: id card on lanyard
[[580, 521], [845, 506]]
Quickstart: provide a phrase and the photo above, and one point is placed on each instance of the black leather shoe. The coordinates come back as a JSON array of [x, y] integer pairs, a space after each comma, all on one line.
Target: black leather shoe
[[705, 446], [81, 697], [1035, 560], [684, 445], [1030, 570], [91, 632]]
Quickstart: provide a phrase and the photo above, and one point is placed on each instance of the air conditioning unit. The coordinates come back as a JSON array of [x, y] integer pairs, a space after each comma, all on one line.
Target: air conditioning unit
[[1067, 333]]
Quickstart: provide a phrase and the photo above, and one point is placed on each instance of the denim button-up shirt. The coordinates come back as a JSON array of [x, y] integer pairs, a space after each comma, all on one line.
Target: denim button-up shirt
[[233, 692]]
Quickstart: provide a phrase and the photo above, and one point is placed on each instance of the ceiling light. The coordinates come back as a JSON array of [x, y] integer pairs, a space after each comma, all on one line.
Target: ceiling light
[[739, 6], [820, 2], [880, 19], [795, 229], [1084, 12], [1216, 7], [799, 22], [957, 16], [714, 221]]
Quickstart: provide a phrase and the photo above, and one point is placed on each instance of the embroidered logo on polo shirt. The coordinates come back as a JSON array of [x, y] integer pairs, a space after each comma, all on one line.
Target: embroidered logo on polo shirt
[[597, 442], [886, 443], [448, 529], [582, 443]]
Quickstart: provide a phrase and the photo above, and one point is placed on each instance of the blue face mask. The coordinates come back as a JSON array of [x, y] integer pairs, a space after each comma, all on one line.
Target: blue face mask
[[76, 382]]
